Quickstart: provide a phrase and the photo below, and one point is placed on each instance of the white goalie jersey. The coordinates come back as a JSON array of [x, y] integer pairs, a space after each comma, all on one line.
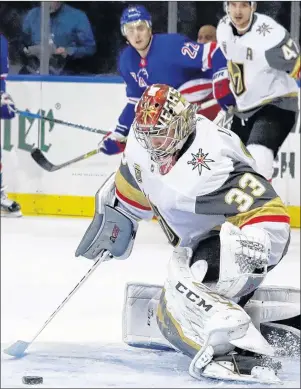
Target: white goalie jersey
[[262, 63], [213, 181]]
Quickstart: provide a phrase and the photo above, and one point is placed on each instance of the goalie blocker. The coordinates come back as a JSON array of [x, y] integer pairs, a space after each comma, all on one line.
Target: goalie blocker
[[112, 229]]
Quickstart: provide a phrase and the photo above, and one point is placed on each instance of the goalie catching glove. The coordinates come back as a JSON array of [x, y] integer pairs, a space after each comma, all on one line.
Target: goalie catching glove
[[244, 259]]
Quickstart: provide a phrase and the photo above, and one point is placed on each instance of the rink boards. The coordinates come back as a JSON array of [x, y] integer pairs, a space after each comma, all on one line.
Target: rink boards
[[95, 102]]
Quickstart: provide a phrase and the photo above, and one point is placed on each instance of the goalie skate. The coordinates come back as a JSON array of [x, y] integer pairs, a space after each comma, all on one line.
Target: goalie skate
[[240, 369]]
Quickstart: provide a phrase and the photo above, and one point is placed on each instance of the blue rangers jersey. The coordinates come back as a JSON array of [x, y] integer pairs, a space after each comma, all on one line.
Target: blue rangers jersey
[[3, 62], [172, 59], [7, 108]]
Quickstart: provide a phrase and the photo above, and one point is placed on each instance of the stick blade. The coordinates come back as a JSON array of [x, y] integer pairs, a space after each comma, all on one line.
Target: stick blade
[[17, 349], [41, 160]]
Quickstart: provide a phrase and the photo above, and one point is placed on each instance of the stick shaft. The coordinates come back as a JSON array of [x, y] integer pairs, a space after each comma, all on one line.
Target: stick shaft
[[72, 293], [58, 121]]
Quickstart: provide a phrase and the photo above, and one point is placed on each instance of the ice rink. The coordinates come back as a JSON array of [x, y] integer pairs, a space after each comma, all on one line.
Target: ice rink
[[82, 346]]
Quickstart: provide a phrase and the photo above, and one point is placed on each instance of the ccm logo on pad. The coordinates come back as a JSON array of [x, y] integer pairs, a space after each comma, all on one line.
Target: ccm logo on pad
[[193, 297]]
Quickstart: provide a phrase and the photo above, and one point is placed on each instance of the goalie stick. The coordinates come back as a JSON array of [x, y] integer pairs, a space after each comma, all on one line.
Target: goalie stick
[[18, 348]]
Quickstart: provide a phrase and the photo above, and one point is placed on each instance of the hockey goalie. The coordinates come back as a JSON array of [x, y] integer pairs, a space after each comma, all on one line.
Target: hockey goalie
[[228, 227]]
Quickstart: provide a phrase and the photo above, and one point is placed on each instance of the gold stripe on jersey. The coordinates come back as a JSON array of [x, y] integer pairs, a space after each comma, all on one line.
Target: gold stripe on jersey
[[130, 193], [267, 101], [291, 94], [273, 209], [296, 70], [167, 323]]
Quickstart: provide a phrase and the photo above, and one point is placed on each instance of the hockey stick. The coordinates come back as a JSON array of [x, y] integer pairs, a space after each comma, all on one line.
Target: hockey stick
[[208, 104], [18, 348], [42, 161], [58, 121]]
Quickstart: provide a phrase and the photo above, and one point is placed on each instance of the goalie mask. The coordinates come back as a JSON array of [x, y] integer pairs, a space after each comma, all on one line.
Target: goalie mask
[[163, 122]]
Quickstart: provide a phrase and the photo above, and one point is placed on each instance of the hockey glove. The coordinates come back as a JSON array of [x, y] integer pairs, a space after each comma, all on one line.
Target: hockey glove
[[7, 106], [221, 89], [244, 258], [113, 143]]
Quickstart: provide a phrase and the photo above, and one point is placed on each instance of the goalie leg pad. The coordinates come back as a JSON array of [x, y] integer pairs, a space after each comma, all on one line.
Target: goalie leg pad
[[267, 311], [274, 303], [199, 322], [278, 293], [139, 325]]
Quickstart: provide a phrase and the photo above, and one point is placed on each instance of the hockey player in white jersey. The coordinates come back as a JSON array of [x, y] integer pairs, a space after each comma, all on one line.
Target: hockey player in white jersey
[[263, 66], [226, 223]]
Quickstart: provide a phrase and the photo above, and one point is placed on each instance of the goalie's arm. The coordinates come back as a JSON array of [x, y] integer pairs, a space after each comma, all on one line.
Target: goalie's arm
[[285, 56], [129, 193], [119, 205], [246, 198]]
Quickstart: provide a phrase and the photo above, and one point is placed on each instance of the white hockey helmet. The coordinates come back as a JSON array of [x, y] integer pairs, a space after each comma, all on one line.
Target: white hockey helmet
[[253, 9]]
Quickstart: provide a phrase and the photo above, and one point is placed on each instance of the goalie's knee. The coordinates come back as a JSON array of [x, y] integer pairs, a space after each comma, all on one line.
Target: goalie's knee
[[172, 330]]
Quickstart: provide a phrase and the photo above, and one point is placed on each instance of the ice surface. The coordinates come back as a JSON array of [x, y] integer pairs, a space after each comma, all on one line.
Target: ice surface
[[82, 347]]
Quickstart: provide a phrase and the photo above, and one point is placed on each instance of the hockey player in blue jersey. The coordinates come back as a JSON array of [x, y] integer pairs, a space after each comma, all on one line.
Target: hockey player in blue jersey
[[7, 111], [171, 59]]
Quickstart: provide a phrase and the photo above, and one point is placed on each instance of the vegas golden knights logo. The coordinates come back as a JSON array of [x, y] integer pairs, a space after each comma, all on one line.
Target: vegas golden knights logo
[[236, 72]]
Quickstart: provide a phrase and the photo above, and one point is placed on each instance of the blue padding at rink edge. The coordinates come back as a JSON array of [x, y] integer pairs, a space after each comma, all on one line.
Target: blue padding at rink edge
[[101, 79]]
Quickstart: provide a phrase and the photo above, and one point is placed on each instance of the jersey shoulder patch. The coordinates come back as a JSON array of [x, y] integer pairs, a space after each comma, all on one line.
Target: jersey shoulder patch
[[225, 21], [203, 168], [268, 31]]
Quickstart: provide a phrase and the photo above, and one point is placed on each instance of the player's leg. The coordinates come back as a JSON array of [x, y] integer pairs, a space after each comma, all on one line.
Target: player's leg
[[141, 300], [241, 128], [203, 324], [9, 208], [288, 298], [270, 127]]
